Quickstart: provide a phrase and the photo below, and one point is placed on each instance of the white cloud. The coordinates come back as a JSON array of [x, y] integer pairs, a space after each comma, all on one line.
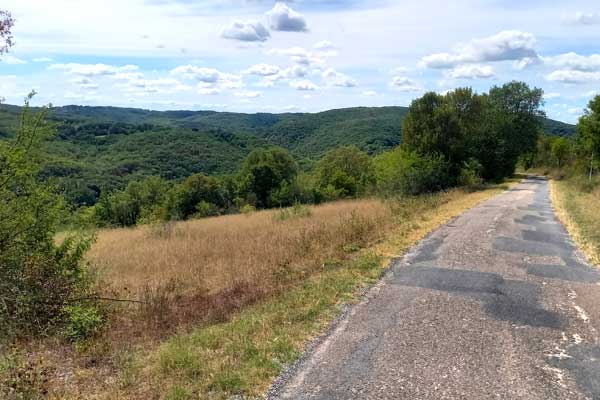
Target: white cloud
[[300, 55], [303, 85], [369, 93], [42, 60], [90, 70], [84, 83], [574, 61], [324, 45], [293, 72], [504, 46], [581, 18], [283, 18], [573, 76], [335, 78], [404, 84], [208, 77], [248, 94], [471, 72], [262, 70], [246, 31], [527, 62], [551, 95], [160, 85], [10, 59]]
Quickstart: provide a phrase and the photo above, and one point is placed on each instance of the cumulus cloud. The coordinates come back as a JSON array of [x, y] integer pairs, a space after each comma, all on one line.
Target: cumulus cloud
[[90, 70], [246, 31], [574, 61], [303, 85], [581, 18], [283, 18], [471, 72], [262, 70], [369, 93], [573, 76], [404, 84], [160, 85], [286, 74], [504, 46], [335, 78], [324, 45], [42, 60], [208, 77]]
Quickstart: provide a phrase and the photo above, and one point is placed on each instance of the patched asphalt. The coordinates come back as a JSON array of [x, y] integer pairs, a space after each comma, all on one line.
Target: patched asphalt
[[497, 304]]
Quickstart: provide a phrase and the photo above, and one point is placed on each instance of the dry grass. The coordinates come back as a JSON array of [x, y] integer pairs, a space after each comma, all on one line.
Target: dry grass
[[230, 300], [215, 254], [577, 209]]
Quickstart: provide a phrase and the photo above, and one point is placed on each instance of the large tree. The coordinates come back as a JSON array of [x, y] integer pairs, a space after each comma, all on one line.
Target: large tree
[[264, 172], [588, 134]]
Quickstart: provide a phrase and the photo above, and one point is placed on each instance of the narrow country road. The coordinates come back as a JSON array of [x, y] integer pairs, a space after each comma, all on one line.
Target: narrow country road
[[497, 304]]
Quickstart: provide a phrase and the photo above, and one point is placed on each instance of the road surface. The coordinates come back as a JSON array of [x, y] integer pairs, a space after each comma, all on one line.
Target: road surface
[[497, 304]]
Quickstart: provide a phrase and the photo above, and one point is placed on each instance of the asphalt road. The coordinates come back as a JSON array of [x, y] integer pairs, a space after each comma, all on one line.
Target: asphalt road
[[497, 304]]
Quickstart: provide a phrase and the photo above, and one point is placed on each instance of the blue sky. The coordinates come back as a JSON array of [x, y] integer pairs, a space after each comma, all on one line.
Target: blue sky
[[302, 55]]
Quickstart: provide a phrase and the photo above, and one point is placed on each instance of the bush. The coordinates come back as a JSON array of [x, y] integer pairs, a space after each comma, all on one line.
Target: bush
[[404, 172], [38, 278], [297, 211], [470, 173], [82, 322], [344, 172], [247, 209]]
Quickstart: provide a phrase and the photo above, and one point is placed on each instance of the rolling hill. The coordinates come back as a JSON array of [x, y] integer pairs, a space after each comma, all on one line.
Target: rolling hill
[[105, 147]]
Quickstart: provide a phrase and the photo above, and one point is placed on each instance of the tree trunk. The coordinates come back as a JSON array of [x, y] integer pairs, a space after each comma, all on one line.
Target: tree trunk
[[591, 166]]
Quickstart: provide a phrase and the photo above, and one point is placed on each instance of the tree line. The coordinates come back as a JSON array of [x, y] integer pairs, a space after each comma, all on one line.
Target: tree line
[[578, 155], [457, 138]]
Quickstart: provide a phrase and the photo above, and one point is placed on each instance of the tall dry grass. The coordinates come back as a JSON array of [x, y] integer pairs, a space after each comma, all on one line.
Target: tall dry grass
[[204, 269]]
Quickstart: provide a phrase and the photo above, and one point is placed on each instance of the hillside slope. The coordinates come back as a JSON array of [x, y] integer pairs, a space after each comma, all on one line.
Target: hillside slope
[[109, 146]]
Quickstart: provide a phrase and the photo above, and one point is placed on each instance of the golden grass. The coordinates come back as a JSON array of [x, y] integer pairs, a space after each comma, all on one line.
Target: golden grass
[[213, 254], [578, 211], [275, 280]]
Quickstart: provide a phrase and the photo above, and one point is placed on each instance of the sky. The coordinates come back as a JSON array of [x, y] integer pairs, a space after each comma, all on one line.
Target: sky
[[297, 56]]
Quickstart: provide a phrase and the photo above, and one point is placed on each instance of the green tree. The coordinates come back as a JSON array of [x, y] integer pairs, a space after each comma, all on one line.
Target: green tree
[[197, 193], [38, 278], [588, 135], [344, 172], [509, 129], [264, 172], [560, 150]]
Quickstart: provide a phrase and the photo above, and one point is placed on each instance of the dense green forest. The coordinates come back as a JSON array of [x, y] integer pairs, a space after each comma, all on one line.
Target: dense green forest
[[104, 148]]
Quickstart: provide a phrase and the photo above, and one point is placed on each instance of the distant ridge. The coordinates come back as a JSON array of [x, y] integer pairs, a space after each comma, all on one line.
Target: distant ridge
[[109, 146]]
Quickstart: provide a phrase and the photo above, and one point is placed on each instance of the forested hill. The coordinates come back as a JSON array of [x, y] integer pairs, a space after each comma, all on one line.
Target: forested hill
[[109, 146]]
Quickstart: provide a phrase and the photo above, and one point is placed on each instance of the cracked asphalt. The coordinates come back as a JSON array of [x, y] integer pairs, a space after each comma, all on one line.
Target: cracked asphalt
[[497, 304]]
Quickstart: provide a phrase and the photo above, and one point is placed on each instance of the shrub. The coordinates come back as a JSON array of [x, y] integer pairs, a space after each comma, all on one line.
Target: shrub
[[470, 173], [82, 321], [38, 278], [405, 172]]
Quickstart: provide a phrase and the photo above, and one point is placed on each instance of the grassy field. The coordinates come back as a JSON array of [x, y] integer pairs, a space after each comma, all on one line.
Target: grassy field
[[577, 206], [226, 302]]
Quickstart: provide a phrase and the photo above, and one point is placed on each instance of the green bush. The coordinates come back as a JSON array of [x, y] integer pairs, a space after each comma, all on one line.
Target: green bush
[[470, 173], [404, 172], [37, 276], [82, 321]]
